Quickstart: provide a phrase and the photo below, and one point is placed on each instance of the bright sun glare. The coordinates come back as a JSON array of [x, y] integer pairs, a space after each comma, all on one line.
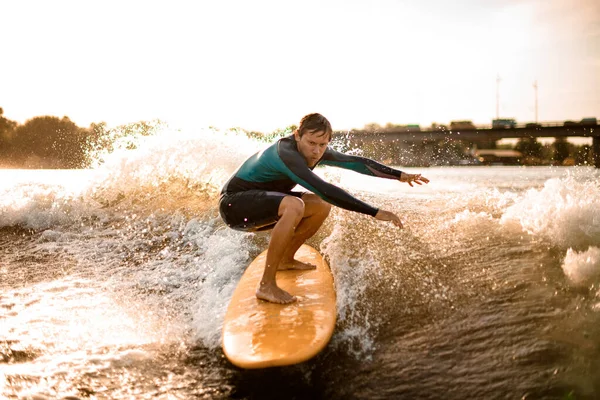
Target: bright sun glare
[[262, 65]]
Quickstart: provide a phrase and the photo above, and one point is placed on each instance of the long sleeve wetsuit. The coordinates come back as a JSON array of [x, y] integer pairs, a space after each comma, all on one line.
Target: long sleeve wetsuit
[[280, 167]]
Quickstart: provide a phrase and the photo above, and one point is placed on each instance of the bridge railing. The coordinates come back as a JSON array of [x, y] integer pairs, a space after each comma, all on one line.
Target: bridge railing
[[517, 125]]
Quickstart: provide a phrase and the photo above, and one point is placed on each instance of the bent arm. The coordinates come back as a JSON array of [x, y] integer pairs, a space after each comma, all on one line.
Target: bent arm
[[362, 165], [296, 169]]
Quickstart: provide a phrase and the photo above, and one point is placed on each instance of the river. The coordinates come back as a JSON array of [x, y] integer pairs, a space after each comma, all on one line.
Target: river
[[114, 282]]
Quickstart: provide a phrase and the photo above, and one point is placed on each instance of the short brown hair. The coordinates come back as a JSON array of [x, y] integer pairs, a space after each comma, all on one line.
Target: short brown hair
[[314, 123]]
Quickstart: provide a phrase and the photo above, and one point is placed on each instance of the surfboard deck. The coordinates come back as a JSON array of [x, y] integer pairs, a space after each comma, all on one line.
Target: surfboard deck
[[259, 334]]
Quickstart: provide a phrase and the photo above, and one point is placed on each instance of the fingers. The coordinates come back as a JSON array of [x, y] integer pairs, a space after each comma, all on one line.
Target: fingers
[[415, 178], [396, 221], [389, 216]]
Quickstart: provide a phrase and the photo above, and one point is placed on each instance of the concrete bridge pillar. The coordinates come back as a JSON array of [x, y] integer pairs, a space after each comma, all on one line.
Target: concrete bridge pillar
[[596, 151]]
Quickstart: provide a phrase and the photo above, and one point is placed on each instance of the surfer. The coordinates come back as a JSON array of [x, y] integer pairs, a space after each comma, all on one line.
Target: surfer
[[259, 196]]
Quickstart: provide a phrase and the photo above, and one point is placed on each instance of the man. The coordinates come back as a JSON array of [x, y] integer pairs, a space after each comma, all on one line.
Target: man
[[259, 196]]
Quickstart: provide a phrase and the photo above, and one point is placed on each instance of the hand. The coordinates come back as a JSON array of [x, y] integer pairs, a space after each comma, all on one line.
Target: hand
[[410, 178], [389, 216]]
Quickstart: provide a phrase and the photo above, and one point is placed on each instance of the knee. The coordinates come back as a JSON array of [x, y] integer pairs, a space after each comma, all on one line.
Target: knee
[[294, 207], [324, 207], [317, 205]]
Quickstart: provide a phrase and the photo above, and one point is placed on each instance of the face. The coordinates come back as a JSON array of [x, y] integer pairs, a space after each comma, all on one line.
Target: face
[[312, 145]]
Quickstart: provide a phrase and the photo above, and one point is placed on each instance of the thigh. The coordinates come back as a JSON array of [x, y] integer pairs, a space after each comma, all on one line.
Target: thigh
[[251, 210], [313, 204]]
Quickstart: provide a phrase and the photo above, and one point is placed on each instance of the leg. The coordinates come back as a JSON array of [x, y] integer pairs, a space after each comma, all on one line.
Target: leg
[[315, 212], [291, 211]]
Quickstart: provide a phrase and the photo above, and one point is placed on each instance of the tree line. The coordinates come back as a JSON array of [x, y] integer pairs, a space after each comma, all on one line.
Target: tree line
[[43, 142], [52, 142]]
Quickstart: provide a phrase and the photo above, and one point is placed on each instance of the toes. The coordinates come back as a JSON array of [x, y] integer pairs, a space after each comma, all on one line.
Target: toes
[[281, 297], [291, 299]]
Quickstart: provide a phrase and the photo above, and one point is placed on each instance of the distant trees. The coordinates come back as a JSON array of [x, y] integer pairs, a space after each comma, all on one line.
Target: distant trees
[[100, 138], [57, 141], [562, 149], [583, 155], [373, 127], [529, 147], [276, 134], [7, 128], [42, 142], [52, 142]]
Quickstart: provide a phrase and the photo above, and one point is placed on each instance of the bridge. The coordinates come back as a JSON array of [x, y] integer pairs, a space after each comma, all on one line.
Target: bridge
[[477, 134]]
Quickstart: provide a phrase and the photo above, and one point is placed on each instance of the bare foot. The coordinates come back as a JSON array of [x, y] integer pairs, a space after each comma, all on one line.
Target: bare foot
[[295, 264], [274, 294]]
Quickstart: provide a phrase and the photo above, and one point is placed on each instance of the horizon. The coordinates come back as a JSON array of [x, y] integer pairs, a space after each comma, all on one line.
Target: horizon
[[262, 66], [434, 126]]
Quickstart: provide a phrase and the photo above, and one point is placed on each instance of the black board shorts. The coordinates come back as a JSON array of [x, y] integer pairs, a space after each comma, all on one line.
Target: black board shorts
[[252, 210]]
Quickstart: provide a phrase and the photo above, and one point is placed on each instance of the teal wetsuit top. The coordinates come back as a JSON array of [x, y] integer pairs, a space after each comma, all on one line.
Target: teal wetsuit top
[[280, 167]]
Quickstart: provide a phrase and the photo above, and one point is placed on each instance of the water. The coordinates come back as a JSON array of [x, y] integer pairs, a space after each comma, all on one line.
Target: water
[[114, 282]]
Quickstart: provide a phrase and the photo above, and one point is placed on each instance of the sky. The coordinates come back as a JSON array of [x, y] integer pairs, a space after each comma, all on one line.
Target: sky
[[263, 64]]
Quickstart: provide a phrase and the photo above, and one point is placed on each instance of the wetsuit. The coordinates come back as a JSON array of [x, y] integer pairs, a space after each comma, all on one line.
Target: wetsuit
[[250, 199]]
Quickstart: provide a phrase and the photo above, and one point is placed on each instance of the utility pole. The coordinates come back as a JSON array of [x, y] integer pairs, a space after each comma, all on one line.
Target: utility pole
[[498, 97], [535, 86]]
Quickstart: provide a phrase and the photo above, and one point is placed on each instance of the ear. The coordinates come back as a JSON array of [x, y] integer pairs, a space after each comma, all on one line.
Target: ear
[[296, 135]]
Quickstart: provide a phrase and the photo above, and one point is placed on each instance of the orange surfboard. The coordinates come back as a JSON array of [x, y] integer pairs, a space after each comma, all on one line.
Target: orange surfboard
[[259, 334]]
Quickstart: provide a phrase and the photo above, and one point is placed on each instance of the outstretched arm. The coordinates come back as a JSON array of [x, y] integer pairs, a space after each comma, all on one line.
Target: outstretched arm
[[370, 167], [294, 166], [358, 164]]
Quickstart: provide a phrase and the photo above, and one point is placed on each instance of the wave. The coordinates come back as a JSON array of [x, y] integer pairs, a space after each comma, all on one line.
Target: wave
[[582, 268], [145, 222], [565, 212], [168, 171]]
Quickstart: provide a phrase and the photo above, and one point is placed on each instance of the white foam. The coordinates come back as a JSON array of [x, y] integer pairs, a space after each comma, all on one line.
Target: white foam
[[226, 256], [205, 157], [154, 204], [356, 333], [26, 199], [565, 211], [172, 164], [478, 221], [582, 268]]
